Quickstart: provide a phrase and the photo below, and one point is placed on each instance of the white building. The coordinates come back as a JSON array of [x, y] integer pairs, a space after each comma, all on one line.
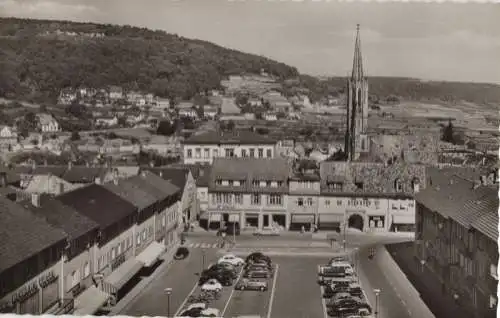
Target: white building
[[47, 123], [205, 147]]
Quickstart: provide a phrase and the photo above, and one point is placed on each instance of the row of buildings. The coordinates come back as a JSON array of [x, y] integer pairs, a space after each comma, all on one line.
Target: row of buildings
[[72, 246]]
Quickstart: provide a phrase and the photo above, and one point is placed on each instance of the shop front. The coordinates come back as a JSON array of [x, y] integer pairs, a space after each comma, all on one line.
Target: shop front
[[151, 254], [121, 277], [403, 223], [302, 221], [376, 223], [27, 300], [251, 220], [90, 301], [214, 220], [330, 221], [49, 285]]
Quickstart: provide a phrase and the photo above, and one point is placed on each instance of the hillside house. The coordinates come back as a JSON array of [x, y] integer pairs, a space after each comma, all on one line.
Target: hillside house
[[47, 123], [7, 131], [106, 121], [115, 92]]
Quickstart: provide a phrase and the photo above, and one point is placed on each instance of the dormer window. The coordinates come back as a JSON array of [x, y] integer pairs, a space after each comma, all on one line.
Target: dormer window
[[415, 185], [398, 185], [255, 183], [236, 183]]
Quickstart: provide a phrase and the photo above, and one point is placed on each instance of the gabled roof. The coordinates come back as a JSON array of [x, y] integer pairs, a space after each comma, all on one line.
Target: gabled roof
[[81, 174], [249, 170], [200, 172], [239, 137], [454, 194], [61, 216], [23, 235], [99, 204], [157, 186], [176, 176], [129, 190]]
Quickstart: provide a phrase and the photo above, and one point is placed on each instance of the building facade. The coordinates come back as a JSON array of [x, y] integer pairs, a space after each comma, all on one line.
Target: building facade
[[205, 147], [248, 191], [456, 238]]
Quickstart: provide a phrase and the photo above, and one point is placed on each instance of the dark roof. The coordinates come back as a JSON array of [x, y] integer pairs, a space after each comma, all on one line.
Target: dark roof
[[37, 170], [23, 235], [377, 178], [157, 186], [238, 137], [61, 216], [176, 176], [11, 177], [200, 172], [81, 174], [129, 190], [98, 203], [462, 200], [249, 170]]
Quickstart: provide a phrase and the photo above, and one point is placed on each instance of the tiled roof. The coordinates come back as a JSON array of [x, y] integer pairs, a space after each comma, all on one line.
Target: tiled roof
[[238, 137], [156, 185], [61, 216], [200, 172], [377, 178], [98, 203], [81, 174], [452, 193], [249, 170], [11, 176], [23, 235], [129, 190], [176, 176]]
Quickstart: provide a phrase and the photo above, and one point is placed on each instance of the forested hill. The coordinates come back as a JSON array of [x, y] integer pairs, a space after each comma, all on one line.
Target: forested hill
[[40, 57]]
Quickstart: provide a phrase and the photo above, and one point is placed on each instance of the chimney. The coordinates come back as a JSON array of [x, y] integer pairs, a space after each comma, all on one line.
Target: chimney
[[3, 179], [70, 165], [35, 199]]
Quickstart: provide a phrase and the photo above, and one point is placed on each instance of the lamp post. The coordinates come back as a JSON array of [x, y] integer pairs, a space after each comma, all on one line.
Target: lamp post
[[168, 291], [377, 293], [422, 262], [344, 241], [356, 262], [202, 260]]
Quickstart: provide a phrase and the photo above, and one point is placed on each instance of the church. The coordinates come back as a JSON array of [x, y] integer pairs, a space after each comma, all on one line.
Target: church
[[373, 189]]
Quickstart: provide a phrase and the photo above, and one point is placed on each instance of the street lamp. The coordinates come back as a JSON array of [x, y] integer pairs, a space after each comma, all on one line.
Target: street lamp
[[377, 293], [356, 262], [202, 260], [168, 291], [345, 234], [422, 262]]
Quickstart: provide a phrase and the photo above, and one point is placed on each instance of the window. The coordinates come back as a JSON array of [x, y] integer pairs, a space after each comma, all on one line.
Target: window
[[261, 152], [398, 185], [269, 153], [280, 183], [416, 185], [274, 199], [129, 242], [309, 201], [119, 249], [190, 153], [75, 278], [255, 183], [163, 221], [218, 198], [218, 182], [359, 185], [226, 198], [138, 239], [252, 152], [230, 183], [236, 183], [238, 198], [197, 153], [229, 153], [268, 184], [243, 152], [493, 271], [300, 202], [86, 270], [255, 199], [327, 202], [144, 235], [337, 186], [215, 153], [113, 253], [339, 202], [206, 153]]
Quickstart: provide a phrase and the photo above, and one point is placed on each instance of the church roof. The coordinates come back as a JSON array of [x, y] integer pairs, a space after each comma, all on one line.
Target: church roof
[[357, 65]]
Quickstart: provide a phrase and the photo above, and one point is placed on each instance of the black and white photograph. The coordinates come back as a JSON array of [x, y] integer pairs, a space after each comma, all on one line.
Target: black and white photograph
[[249, 158]]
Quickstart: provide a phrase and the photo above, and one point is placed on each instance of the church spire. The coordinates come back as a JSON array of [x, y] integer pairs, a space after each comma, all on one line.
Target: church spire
[[357, 65]]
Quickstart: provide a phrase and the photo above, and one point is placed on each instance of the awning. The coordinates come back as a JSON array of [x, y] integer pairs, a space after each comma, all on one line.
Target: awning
[[150, 255], [303, 218], [403, 219], [88, 302], [204, 216], [215, 217], [331, 218], [120, 276], [234, 217]]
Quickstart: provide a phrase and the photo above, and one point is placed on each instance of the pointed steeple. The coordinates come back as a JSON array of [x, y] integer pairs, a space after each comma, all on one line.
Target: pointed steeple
[[357, 65]]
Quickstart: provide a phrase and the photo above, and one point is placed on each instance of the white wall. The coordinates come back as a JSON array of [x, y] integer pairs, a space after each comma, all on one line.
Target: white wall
[[219, 151]]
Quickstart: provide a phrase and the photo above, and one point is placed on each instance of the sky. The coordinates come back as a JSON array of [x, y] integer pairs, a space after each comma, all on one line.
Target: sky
[[447, 41]]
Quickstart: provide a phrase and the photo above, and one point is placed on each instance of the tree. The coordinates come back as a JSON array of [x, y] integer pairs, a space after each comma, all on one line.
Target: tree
[[262, 131], [448, 133], [75, 136], [165, 128], [337, 156]]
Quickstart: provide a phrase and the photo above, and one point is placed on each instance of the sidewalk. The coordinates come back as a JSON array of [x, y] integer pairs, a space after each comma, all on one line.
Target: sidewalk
[[168, 259]]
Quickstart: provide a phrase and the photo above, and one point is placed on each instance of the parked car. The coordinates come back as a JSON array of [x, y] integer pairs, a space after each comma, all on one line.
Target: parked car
[[251, 284], [181, 253], [331, 290], [355, 290], [225, 266], [224, 277], [256, 257], [231, 259], [274, 231], [200, 312], [212, 285], [257, 273], [338, 259], [259, 263]]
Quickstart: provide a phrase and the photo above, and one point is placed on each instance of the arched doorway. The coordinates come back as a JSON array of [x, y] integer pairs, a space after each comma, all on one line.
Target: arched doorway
[[356, 221]]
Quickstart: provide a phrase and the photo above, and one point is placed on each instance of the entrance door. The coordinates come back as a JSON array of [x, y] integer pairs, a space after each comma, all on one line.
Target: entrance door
[[356, 221], [265, 220]]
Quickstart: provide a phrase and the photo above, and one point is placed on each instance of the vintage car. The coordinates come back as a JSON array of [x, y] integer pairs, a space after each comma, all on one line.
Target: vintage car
[[251, 284]]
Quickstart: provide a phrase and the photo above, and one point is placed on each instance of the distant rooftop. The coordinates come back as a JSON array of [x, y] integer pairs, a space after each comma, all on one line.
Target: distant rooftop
[[241, 137]]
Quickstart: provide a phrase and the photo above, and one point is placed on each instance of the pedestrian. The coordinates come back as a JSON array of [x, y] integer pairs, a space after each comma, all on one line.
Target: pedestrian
[[302, 229]]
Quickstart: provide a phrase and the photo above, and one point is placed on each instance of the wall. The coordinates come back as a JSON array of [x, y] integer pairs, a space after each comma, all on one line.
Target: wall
[[188, 201], [401, 284], [221, 152], [77, 264], [104, 252], [202, 194], [144, 234]]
